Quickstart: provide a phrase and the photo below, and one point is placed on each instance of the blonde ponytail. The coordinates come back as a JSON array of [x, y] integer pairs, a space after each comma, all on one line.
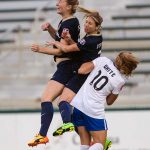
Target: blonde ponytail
[[92, 13], [84, 10]]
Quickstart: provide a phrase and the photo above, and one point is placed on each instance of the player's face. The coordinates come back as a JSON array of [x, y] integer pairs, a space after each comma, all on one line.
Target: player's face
[[90, 26], [61, 7]]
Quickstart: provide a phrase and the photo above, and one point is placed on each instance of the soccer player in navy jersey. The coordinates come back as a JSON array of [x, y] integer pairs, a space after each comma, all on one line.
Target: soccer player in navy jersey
[[64, 72], [90, 48]]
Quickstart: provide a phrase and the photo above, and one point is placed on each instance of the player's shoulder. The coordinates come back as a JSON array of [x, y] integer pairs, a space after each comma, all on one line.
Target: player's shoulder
[[94, 37], [99, 61], [103, 59], [72, 20]]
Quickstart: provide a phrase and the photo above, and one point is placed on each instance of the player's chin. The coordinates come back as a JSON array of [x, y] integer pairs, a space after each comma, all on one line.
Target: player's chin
[[58, 11], [86, 30]]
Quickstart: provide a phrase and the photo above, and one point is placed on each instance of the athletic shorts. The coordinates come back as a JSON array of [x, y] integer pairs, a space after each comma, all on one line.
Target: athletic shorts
[[76, 82], [67, 74], [64, 72], [91, 124]]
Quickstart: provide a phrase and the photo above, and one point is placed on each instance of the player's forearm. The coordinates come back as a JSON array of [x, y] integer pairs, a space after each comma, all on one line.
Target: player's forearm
[[48, 51], [70, 42], [51, 31], [69, 48]]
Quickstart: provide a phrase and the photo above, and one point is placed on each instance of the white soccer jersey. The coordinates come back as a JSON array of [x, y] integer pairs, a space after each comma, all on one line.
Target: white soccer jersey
[[103, 80]]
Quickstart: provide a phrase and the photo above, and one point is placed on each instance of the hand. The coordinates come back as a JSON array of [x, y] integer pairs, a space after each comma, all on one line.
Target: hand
[[66, 35], [51, 43], [45, 26], [35, 47]]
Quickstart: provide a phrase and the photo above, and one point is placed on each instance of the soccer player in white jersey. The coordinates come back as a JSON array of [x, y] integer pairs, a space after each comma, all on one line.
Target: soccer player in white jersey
[[103, 85]]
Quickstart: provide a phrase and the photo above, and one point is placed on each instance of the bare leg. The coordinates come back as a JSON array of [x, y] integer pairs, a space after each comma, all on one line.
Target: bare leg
[[52, 91], [99, 136], [85, 136]]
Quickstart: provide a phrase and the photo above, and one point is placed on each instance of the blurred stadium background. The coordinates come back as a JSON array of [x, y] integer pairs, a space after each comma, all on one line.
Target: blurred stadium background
[[24, 74]]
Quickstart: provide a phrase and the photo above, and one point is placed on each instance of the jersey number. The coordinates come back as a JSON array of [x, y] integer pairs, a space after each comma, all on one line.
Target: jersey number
[[97, 79]]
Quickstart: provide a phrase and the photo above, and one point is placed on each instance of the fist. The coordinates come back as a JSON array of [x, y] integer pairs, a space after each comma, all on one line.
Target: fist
[[35, 47], [45, 26], [65, 33]]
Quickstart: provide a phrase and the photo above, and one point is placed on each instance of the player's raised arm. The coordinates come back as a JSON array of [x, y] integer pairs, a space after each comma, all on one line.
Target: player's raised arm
[[48, 27]]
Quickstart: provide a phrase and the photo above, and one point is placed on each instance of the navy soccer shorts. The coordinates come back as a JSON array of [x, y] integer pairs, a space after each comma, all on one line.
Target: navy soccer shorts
[[64, 72]]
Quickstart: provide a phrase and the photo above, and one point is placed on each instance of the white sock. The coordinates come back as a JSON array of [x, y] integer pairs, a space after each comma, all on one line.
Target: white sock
[[84, 147], [96, 146]]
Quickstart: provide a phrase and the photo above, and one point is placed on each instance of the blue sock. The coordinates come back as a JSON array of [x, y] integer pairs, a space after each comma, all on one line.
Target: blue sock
[[65, 111], [46, 117]]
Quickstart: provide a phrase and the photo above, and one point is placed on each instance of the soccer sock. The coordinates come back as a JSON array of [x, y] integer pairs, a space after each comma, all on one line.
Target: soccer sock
[[46, 117], [84, 147], [96, 146], [65, 111]]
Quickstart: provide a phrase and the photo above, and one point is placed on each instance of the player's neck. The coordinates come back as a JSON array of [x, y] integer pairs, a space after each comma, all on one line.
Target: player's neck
[[66, 16]]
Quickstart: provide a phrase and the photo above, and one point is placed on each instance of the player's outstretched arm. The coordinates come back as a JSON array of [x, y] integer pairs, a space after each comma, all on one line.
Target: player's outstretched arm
[[45, 50], [63, 47]]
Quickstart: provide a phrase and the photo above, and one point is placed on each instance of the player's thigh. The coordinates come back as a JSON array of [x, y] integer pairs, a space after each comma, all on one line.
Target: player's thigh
[[67, 95], [76, 82], [79, 122], [85, 136], [52, 91], [99, 136], [63, 73]]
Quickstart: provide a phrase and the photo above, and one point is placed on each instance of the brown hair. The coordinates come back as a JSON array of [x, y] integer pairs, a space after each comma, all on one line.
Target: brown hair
[[94, 14], [126, 62], [74, 4]]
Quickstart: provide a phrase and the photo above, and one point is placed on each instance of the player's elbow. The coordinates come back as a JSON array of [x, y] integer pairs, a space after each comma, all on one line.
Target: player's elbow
[[111, 99], [82, 71], [109, 103], [58, 53]]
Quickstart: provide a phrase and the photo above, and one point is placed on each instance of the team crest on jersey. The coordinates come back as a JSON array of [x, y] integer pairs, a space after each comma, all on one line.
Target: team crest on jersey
[[65, 30], [82, 41]]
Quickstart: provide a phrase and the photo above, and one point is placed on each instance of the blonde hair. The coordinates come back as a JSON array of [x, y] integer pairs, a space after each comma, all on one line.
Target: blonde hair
[[126, 62], [94, 14], [74, 4]]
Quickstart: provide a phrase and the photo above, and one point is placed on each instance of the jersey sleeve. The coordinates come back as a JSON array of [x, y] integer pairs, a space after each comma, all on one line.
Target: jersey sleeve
[[90, 43], [83, 44]]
